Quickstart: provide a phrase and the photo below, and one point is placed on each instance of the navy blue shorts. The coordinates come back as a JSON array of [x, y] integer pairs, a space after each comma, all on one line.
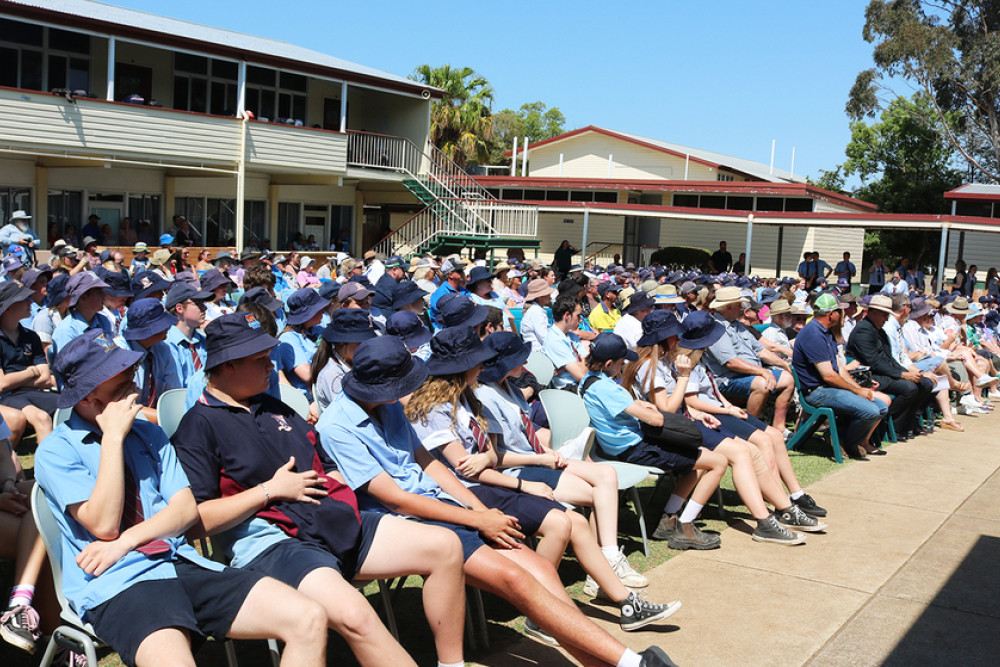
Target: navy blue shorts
[[548, 476], [710, 438], [530, 511], [200, 600], [46, 401], [646, 454], [742, 428]]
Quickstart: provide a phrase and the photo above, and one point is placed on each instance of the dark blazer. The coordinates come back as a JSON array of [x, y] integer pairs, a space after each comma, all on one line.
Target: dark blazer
[[870, 345]]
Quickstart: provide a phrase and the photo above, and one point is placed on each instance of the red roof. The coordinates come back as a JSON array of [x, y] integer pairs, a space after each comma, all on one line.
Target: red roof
[[622, 137], [961, 193]]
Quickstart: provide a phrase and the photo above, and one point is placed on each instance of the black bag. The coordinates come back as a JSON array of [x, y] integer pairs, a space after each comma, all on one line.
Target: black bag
[[677, 433], [863, 376]]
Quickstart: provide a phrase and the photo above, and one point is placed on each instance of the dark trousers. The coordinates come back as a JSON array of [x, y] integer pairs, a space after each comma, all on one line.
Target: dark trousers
[[909, 399], [875, 289]]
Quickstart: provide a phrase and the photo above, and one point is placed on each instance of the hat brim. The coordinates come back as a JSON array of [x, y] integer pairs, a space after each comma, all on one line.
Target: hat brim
[[242, 350], [503, 365], [308, 313], [413, 341], [884, 309], [658, 336], [389, 391], [22, 294], [116, 361], [162, 323], [704, 341], [954, 311], [452, 366], [332, 336], [668, 298], [716, 304], [644, 304]]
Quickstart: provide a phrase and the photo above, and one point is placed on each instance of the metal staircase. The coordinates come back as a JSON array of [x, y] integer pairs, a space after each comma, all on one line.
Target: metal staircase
[[458, 211]]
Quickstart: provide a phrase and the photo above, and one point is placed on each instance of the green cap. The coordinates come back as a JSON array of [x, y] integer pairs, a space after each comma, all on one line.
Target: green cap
[[825, 303]]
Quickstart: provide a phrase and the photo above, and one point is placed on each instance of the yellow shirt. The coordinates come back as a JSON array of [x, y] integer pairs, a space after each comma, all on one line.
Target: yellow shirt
[[602, 321]]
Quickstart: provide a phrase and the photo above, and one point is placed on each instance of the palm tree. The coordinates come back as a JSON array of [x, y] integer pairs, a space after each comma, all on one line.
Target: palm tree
[[461, 123]]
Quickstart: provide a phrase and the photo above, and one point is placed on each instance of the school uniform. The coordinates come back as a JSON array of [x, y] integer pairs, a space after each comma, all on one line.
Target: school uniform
[[562, 349]]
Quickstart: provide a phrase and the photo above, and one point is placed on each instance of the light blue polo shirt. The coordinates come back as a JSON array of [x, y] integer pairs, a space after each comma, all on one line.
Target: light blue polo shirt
[[179, 348], [74, 325], [66, 466], [562, 349], [295, 349], [606, 402], [363, 449], [157, 360], [735, 343]]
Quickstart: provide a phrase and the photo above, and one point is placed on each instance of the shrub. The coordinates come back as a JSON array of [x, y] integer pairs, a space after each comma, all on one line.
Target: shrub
[[682, 257]]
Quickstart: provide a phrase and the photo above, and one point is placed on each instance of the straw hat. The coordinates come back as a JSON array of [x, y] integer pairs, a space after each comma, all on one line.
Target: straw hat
[[780, 307], [884, 303], [725, 296], [959, 306], [160, 257], [537, 288]]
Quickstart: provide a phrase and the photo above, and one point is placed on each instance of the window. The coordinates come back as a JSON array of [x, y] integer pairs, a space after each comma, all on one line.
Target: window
[[133, 80], [979, 209], [220, 222], [13, 199], [608, 197], [713, 201], [275, 96], [689, 201], [205, 85], [65, 210], [724, 177], [581, 195], [798, 204], [557, 195], [739, 203], [534, 195], [39, 58], [341, 227], [289, 223], [145, 209], [770, 204]]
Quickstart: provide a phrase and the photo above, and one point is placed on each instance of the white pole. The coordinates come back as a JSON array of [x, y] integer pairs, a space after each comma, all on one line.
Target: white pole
[[111, 70], [772, 157], [792, 170], [586, 226], [241, 90], [611, 163], [560, 163], [746, 264], [942, 257], [241, 185], [343, 107], [513, 159], [524, 158], [687, 163]]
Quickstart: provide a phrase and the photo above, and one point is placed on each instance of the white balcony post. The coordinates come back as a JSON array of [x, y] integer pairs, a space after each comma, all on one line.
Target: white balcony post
[[942, 257], [746, 264], [241, 90], [524, 158], [586, 228], [343, 106], [110, 96], [241, 184], [513, 159]]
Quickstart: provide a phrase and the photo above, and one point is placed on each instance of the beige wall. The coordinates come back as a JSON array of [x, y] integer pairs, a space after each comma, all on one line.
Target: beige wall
[[19, 172]]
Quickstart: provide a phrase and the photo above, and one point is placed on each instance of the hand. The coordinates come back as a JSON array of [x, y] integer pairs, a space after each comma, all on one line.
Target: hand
[[313, 413], [540, 489], [737, 412], [711, 421], [561, 461], [286, 484], [499, 528], [473, 464], [874, 386], [769, 381], [13, 502], [683, 365], [547, 460], [117, 417], [98, 556], [911, 376]]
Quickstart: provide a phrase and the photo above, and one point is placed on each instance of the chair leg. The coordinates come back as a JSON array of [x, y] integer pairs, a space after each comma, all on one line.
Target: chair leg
[[803, 431], [477, 599], [891, 429], [634, 494], [470, 634], [230, 648], [390, 617], [835, 439]]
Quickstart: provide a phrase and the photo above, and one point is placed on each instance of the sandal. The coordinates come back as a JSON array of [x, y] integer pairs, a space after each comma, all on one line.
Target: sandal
[[962, 387], [953, 426]]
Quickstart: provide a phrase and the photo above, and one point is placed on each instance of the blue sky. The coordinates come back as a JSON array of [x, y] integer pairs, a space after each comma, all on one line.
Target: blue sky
[[724, 76]]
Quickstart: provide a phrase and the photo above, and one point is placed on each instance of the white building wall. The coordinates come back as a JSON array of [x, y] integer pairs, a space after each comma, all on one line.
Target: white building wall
[[980, 248]]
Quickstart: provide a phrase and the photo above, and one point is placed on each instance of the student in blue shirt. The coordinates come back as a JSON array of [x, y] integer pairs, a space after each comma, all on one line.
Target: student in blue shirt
[[157, 372], [563, 347], [298, 342], [25, 379], [36, 280], [122, 502], [86, 299], [48, 318], [380, 456], [185, 340]]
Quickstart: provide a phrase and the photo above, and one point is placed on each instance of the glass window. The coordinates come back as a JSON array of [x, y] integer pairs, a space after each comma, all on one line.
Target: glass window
[[261, 76], [297, 82], [557, 195], [8, 66], [713, 201], [688, 201], [192, 208], [13, 199], [770, 204], [610, 197], [581, 195], [31, 69], [74, 42], [185, 62], [19, 32], [533, 195], [289, 220], [341, 225], [225, 69], [798, 204], [220, 222], [739, 203], [57, 72], [254, 221], [65, 209], [145, 210]]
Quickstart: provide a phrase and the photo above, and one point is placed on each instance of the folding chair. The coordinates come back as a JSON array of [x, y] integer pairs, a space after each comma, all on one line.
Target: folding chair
[[540, 366], [170, 409], [815, 415], [294, 399]]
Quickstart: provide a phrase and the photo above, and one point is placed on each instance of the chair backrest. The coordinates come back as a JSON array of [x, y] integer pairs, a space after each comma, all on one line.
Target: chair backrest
[[294, 399], [170, 409], [806, 405], [49, 531], [61, 415], [540, 366], [567, 415], [319, 408]]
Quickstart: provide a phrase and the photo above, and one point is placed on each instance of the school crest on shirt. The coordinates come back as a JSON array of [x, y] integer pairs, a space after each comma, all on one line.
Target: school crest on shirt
[[282, 424]]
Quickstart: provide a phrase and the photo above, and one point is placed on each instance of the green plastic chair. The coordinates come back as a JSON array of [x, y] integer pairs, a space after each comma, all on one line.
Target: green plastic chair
[[814, 417], [540, 366], [170, 409]]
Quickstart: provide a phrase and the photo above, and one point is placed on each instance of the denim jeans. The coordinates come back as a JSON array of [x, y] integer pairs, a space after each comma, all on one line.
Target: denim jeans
[[856, 413]]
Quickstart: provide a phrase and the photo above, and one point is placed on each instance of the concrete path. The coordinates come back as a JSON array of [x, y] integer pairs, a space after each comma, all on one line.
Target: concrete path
[[907, 574]]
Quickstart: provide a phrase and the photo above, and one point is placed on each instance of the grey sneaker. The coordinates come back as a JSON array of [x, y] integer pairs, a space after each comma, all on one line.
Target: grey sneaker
[[637, 612], [769, 530], [794, 517], [666, 527], [536, 632], [654, 656], [682, 541], [809, 506], [626, 574], [19, 626]]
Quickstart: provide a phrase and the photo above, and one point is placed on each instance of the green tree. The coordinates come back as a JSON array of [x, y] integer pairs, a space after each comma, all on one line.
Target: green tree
[[949, 50], [461, 122], [533, 120]]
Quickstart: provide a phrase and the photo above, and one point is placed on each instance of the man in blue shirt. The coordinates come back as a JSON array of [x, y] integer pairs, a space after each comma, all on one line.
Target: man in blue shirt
[[18, 232], [453, 282], [825, 384], [563, 347], [122, 503], [845, 270]]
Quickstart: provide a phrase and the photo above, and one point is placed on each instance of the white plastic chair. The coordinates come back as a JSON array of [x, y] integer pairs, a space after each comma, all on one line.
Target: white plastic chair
[[170, 409], [540, 366], [294, 399], [61, 415]]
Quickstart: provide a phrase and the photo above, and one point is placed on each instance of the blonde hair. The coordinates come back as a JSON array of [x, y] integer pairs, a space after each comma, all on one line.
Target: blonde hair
[[630, 376], [440, 389]]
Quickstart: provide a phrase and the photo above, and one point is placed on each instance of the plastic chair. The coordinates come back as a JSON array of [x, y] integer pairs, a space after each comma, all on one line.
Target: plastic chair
[[61, 415], [74, 634], [294, 399], [170, 409], [540, 366], [812, 422]]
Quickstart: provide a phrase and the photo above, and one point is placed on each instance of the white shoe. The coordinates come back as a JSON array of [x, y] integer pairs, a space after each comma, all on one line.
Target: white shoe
[[985, 380], [628, 576], [993, 394], [787, 434], [576, 448]]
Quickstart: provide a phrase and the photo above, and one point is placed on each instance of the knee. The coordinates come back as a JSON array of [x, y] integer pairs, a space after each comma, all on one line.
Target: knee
[[310, 622], [607, 477], [557, 524], [354, 618]]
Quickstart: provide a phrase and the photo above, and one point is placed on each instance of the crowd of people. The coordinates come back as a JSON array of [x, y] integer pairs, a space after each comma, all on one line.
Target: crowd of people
[[426, 449]]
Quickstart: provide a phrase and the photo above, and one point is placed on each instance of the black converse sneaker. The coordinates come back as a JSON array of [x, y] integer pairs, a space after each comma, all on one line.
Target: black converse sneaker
[[19, 626], [654, 656], [793, 517], [769, 530], [637, 612], [809, 506]]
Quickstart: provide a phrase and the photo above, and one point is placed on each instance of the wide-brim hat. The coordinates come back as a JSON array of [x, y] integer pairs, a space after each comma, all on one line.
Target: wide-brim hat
[[726, 296], [263, 297], [81, 283], [919, 308], [145, 283], [249, 254], [86, 362], [213, 279], [349, 325], [160, 257], [31, 276], [462, 311], [305, 304], [140, 247], [235, 336], [383, 371], [407, 325], [608, 346], [223, 254], [146, 318], [960, 306], [639, 301], [12, 292], [510, 352], [658, 326], [883, 303], [780, 307], [537, 288], [700, 330], [456, 350], [180, 292], [569, 287], [405, 293]]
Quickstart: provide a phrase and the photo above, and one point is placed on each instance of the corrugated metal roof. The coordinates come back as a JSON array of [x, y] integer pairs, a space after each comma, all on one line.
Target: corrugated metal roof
[[201, 33], [978, 189]]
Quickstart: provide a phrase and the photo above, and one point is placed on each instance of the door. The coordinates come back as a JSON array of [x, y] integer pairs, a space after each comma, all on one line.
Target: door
[[317, 219], [110, 212]]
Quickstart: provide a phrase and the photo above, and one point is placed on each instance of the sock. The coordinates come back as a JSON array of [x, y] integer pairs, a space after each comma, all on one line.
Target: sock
[[22, 594], [797, 495], [460, 663], [611, 553], [690, 512], [674, 504], [630, 659]]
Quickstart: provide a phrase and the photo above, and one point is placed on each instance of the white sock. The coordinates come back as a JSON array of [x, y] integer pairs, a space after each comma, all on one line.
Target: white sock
[[797, 495], [674, 504], [22, 594], [690, 512], [460, 663], [630, 659], [611, 553]]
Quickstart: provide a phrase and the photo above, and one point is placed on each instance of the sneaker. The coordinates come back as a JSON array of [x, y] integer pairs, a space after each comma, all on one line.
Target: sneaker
[[985, 380], [697, 540], [665, 528], [628, 576], [769, 530], [576, 448], [19, 626], [809, 506], [787, 434], [536, 632], [796, 518], [637, 612], [654, 656]]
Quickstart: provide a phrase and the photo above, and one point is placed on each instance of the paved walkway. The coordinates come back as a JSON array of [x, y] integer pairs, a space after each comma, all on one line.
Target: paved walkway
[[908, 573]]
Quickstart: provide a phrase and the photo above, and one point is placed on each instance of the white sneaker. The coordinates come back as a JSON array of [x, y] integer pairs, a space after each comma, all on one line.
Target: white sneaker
[[628, 576], [985, 380], [578, 447], [590, 587], [787, 434], [993, 394]]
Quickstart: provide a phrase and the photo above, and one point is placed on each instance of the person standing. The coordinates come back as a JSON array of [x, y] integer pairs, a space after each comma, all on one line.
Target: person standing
[[721, 260], [563, 258]]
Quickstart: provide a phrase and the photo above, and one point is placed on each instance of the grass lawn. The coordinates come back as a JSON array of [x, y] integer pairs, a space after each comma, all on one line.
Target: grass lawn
[[812, 462]]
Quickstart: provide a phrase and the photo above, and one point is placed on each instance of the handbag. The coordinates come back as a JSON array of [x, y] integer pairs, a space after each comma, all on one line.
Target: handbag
[[863, 376], [677, 433]]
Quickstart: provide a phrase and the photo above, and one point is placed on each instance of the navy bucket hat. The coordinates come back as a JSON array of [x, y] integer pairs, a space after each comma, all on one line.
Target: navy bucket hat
[[407, 325], [456, 350], [305, 304], [510, 352], [56, 290], [462, 311], [405, 293], [145, 283], [263, 297], [181, 292], [235, 336], [383, 371], [87, 361], [12, 292], [700, 330], [118, 284], [146, 318], [81, 283], [658, 326], [213, 279], [349, 325]]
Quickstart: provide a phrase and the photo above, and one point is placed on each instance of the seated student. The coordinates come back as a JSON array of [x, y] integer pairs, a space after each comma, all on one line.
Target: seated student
[[348, 328], [563, 347], [218, 284], [116, 297], [661, 375], [86, 300], [37, 280], [186, 340], [298, 340], [376, 449], [260, 478], [48, 318], [629, 327], [149, 323], [522, 453], [140, 259], [411, 329], [451, 422], [24, 372], [122, 501], [534, 320], [147, 284]]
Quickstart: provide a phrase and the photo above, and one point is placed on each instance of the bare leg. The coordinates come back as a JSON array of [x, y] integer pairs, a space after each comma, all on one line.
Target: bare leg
[[785, 388], [758, 395], [600, 483], [168, 647], [39, 420], [272, 609], [782, 460], [737, 453], [555, 531]]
